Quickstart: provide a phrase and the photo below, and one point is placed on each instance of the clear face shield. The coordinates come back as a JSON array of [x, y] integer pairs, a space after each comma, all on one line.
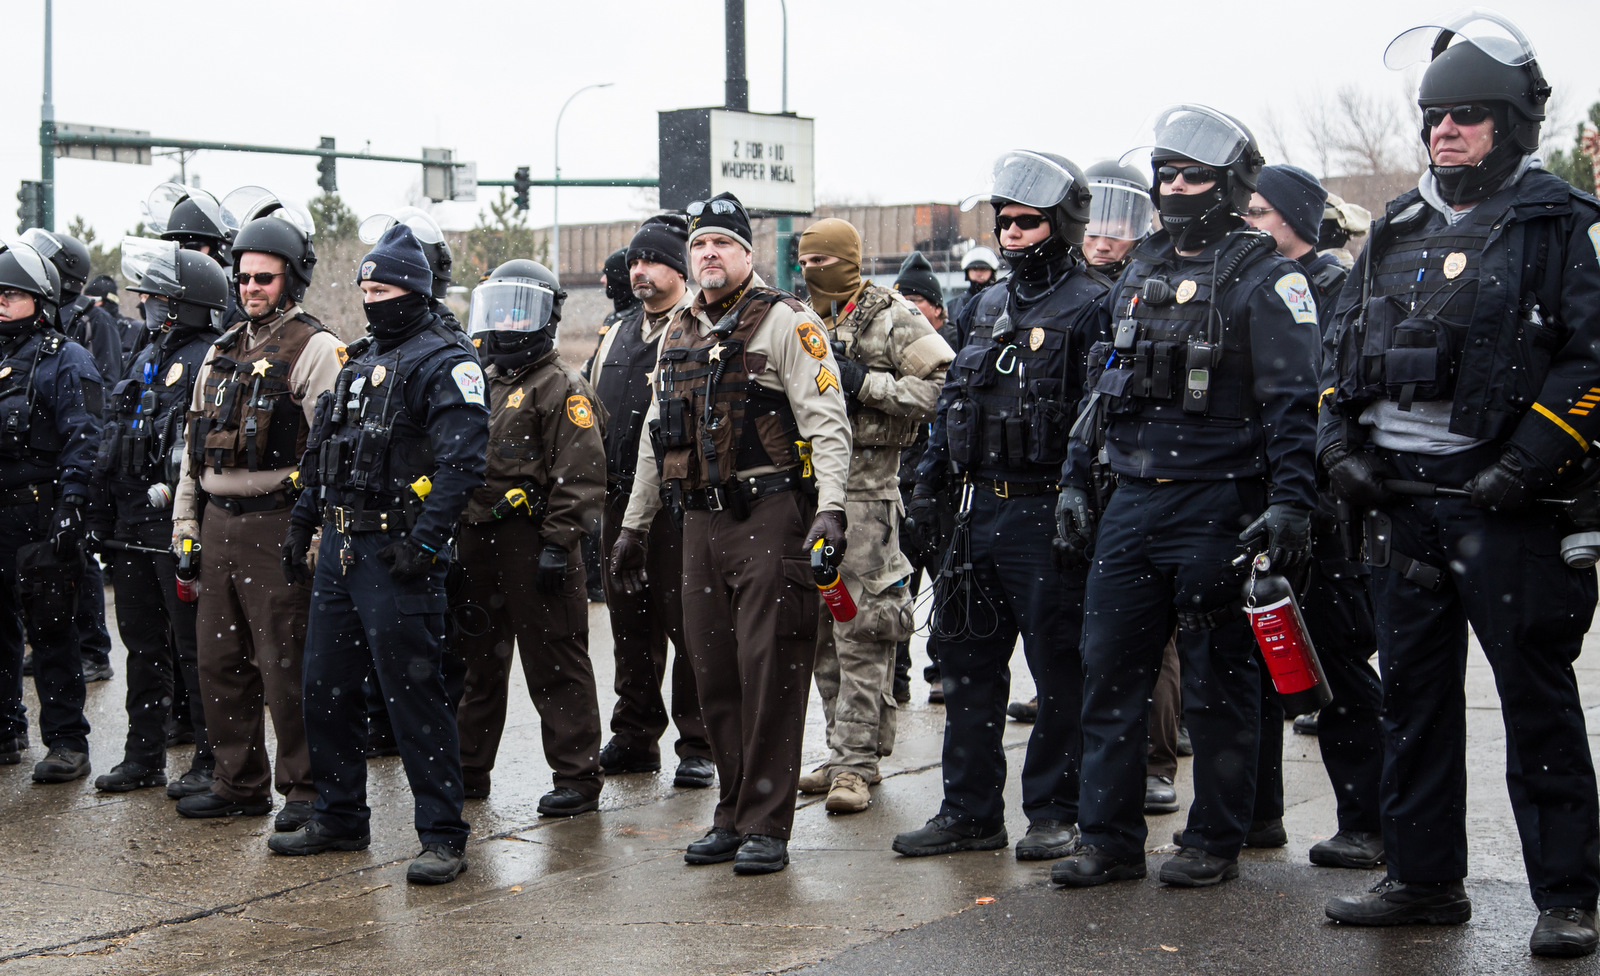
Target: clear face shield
[[422, 224], [1120, 209], [1027, 178], [518, 305], [159, 205], [42, 241], [151, 266], [250, 202], [1487, 31], [1192, 132], [31, 263]]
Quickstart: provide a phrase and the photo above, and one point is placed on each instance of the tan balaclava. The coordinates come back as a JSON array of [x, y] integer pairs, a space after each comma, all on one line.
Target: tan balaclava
[[835, 284]]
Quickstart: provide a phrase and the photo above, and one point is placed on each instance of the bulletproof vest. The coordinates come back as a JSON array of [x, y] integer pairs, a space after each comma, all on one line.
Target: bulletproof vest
[[143, 438], [863, 335], [248, 417], [715, 419], [624, 389], [1420, 299], [29, 442], [369, 443], [1016, 396], [1174, 357]]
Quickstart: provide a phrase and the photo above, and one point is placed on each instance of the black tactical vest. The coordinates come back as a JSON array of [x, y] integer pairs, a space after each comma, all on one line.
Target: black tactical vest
[[29, 443], [624, 389], [368, 444], [143, 439], [1174, 357], [1017, 383]]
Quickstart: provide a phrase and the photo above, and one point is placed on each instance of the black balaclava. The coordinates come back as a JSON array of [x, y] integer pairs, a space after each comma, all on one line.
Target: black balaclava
[[509, 351], [10, 329], [1037, 268], [1194, 220], [1469, 184], [394, 321]]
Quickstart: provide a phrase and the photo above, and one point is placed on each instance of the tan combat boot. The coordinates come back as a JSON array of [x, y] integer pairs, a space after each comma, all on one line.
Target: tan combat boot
[[849, 793], [817, 780]]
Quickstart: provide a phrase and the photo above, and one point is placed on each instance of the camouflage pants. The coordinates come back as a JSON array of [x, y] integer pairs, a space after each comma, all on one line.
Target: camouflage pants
[[855, 658]]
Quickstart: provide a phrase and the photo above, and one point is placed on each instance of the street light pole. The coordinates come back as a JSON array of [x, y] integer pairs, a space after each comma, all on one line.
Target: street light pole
[[784, 272], [784, 6], [555, 191], [47, 136]]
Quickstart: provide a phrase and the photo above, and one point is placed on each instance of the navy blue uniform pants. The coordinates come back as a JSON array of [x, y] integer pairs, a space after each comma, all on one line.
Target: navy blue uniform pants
[[1016, 591], [361, 621], [1162, 546], [1503, 576], [94, 641], [57, 668]]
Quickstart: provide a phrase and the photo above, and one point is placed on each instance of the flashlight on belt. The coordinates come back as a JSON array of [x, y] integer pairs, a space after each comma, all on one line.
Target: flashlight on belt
[[827, 578]]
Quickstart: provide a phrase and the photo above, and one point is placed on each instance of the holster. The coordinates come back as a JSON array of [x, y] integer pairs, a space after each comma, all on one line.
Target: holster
[[49, 587], [1377, 543]]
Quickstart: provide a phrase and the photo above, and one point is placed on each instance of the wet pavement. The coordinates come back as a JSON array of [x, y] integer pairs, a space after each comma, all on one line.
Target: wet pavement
[[93, 883]]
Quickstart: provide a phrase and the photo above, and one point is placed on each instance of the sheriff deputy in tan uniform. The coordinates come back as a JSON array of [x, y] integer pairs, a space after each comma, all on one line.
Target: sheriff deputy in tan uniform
[[891, 367], [745, 386], [252, 408], [520, 537]]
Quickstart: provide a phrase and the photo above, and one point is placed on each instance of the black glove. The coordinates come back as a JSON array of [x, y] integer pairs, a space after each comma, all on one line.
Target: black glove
[[1356, 476], [923, 516], [67, 525], [1501, 487], [552, 574], [851, 375], [627, 561], [407, 560], [295, 547], [1074, 528], [829, 525], [1284, 531]]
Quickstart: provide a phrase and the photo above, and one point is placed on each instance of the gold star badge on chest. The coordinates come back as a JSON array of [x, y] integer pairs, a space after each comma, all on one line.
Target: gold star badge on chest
[[261, 367], [716, 353]]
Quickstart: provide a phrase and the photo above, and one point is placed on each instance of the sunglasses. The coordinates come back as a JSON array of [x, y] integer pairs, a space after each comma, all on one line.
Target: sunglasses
[[1023, 221], [698, 207], [1190, 174], [1260, 211], [1459, 114], [11, 295], [262, 278]]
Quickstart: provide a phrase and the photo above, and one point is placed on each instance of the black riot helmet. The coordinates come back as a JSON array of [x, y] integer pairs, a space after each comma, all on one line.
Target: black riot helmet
[[194, 286], [1205, 135], [1477, 58], [191, 217], [525, 271], [1051, 184], [67, 253], [286, 233], [1122, 205], [515, 309], [25, 269], [427, 232]]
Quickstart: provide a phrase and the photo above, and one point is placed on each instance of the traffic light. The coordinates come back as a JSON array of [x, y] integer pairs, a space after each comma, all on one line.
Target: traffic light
[[326, 177], [523, 184], [29, 199]]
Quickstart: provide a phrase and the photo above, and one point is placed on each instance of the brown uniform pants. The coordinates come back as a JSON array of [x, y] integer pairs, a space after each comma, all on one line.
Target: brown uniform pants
[[751, 608], [250, 629], [501, 561], [1166, 704], [640, 626]]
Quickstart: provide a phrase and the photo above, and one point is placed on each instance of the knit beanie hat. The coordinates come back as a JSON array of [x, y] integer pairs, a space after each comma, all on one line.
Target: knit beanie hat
[[722, 214], [663, 239], [917, 278], [1297, 196], [397, 259]]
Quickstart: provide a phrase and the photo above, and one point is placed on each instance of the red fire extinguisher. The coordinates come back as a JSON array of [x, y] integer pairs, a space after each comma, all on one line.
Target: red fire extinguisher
[[1284, 641], [829, 582], [189, 571]]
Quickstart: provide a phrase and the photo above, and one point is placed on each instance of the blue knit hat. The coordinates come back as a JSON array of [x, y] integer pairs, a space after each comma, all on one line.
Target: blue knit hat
[[1297, 196], [397, 259]]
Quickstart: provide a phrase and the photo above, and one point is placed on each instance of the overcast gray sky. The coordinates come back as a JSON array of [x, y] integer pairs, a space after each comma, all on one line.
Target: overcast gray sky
[[912, 100]]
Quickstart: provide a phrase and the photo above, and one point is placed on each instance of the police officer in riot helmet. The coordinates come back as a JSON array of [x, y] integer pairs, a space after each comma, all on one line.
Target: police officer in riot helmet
[[1121, 217], [519, 540], [140, 459], [397, 450], [50, 401], [1202, 404], [80, 319], [1001, 425], [441, 261], [1465, 354], [196, 221]]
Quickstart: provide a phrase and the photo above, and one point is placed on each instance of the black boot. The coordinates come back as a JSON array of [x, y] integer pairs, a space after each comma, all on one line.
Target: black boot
[[1391, 902]]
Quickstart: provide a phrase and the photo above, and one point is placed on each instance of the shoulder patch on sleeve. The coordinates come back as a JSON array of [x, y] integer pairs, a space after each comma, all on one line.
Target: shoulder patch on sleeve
[[825, 379], [342, 352], [1594, 238], [1296, 293], [580, 411], [469, 380], [811, 339]]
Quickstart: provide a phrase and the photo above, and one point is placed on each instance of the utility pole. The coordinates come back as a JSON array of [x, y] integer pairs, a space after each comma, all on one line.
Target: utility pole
[[736, 89], [47, 138]]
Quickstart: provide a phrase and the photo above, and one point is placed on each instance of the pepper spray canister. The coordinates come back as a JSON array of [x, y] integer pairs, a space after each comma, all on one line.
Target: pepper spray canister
[[189, 571], [1285, 643], [826, 575]]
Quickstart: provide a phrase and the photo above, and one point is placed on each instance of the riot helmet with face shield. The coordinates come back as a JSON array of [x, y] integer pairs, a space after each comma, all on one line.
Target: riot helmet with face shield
[[1220, 150], [427, 232], [266, 225], [516, 308], [181, 287], [67, 253], [23, 269], [191, 217]]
